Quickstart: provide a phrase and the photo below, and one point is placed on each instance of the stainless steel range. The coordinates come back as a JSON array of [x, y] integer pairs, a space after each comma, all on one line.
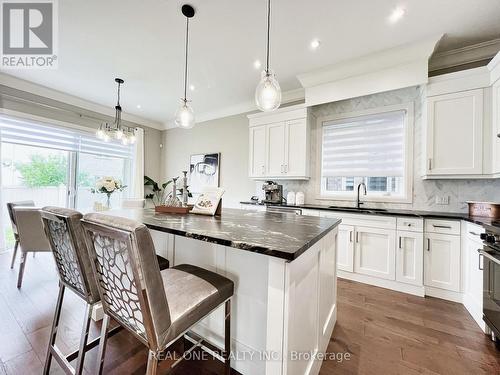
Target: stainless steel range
[[491, 279]]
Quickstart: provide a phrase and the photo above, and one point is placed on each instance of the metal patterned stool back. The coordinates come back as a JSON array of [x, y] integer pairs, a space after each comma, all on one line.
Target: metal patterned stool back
[[65, 234], [134, 291]]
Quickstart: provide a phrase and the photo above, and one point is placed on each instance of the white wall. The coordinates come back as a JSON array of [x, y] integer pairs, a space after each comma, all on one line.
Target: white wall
[[229, 136]]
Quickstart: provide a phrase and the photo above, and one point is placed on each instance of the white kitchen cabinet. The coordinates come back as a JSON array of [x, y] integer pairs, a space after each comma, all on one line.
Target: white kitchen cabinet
[[409, 257], [442, 261], [345, 249], [374, 252], [454, 133], [279, 144], [473, 264], [275, 149], [296, 148], [257, 148]]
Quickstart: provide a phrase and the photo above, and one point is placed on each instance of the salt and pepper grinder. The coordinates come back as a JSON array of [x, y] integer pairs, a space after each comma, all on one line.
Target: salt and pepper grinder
[[184, 189]]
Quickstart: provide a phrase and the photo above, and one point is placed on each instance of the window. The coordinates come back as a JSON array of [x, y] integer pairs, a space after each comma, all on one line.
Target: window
[[57, 166], [370, 149]]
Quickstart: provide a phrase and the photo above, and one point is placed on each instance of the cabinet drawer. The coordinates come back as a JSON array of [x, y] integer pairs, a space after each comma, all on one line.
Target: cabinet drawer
[[410, 224], [442, 226]]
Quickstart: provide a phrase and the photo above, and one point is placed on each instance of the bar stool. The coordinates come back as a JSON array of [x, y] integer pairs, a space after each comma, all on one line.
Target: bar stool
[[10, 210], [65, 233], [156, 307]]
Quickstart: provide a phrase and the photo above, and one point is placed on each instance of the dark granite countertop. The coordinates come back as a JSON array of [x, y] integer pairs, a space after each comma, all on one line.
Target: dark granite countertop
[[284, 236], [484, 221]]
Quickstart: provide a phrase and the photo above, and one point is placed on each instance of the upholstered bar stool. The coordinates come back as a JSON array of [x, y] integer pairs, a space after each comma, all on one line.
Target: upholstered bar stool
[[65, 234], [156, 307], [10, 210], [30, 233]]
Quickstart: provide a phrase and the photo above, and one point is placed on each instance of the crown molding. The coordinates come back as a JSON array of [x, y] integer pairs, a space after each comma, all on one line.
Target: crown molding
[[245, 107], [465, 55], [59, 96]]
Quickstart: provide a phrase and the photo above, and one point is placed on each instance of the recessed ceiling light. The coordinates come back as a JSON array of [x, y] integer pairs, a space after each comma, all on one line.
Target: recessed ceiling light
[[315, 43], [257, 64], [139, 106], [192, 88], [397, 14]]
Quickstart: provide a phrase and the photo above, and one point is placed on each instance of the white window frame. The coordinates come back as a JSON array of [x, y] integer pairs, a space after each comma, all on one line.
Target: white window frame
[[409, 157]]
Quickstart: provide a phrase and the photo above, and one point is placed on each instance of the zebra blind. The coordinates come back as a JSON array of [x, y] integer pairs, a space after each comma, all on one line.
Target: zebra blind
[[32, 133], [367, 146]]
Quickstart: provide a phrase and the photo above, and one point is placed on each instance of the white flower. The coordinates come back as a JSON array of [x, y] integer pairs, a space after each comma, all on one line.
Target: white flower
[[110, 186]]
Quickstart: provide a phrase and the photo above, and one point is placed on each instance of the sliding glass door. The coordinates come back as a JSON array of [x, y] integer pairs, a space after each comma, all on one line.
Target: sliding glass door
[[31, 173], [56, 166]]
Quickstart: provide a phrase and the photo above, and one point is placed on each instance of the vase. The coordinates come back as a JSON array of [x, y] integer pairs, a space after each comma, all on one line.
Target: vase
[[108, 201]]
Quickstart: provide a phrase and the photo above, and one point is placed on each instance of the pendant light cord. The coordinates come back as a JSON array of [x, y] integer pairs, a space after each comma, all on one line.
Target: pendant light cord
[[118, 101], [268, 32], [186, 64]]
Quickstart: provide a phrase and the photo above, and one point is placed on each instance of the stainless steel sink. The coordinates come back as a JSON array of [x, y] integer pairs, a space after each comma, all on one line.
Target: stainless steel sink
[[361, 209]]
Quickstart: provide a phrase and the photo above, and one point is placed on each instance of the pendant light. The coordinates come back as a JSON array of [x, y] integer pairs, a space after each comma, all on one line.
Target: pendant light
[[116, 129], [268, 91], [184, 116]]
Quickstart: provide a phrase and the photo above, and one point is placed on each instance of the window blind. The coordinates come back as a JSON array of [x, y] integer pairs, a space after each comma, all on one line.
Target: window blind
[[368, 146], [32, 133]]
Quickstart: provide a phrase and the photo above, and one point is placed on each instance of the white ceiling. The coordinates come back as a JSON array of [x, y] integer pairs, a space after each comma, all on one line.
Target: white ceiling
[[142, 42]]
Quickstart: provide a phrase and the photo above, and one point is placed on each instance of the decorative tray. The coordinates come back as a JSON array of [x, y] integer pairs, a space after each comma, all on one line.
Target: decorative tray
[[173, 209]]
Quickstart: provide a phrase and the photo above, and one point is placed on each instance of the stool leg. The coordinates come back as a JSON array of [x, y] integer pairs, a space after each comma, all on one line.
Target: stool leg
[[227, 337], [152, 363], [83, 340], [21, 270], [14, 254], [53, 331], [102, 344]]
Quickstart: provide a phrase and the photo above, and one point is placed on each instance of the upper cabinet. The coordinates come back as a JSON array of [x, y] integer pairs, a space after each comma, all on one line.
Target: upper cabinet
[[455, 133], [460, 134], [279, 144]]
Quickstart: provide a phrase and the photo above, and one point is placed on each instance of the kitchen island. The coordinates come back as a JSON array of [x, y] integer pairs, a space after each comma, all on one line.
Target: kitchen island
[[284, 270]]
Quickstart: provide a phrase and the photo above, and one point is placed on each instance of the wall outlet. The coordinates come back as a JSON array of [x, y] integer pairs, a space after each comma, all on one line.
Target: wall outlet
[[444, 199]]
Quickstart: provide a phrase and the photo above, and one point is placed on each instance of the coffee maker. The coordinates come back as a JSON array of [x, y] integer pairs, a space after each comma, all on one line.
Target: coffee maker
[[273, 193]]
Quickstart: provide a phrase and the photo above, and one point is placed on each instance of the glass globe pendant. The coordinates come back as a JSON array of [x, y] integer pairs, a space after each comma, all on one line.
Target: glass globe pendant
[[268, 91], [184, 117]]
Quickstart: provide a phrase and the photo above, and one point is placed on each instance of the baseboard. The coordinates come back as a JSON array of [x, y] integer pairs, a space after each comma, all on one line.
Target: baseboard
[[382, 283], [444, 294]]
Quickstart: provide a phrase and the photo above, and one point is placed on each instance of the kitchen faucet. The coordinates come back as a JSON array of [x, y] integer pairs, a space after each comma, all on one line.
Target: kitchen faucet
[[358, 203]]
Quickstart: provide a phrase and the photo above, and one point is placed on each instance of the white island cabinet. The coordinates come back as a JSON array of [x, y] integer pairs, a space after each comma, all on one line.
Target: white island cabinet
[[283, 312]]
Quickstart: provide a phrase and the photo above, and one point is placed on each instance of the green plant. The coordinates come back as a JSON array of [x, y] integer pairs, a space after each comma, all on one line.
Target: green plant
[[157, 194], [52, 170]]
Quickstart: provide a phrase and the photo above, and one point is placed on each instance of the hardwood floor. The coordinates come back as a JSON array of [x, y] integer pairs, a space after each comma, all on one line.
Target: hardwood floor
[[384, 332]]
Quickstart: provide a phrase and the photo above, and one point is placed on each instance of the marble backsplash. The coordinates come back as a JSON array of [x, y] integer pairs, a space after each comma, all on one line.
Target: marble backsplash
[[424, 191]]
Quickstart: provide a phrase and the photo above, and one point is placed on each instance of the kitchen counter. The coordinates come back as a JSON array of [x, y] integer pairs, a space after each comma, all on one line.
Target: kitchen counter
[[284, 236], [284, 273], [484, 221]]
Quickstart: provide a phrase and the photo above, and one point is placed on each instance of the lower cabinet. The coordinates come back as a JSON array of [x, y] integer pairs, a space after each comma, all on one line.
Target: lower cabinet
[[374, 252], [409, 258], [345, 248], [442, 261]]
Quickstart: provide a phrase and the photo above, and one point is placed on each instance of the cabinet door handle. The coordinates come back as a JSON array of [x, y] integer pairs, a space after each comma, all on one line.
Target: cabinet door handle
[[400, 242], [350, 236], [357, 237], [480, 255], [441, 226], [286, 168], [263, 169], [429, 164], [474, 233], [428, 244]]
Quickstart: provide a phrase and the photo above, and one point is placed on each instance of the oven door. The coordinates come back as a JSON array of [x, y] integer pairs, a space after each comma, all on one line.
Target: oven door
[[491, 286]]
